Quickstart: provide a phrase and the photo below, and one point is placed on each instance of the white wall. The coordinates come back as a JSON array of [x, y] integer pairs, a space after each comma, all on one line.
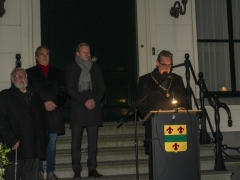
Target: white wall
[[157, 28], [10, 40], [20, 33]]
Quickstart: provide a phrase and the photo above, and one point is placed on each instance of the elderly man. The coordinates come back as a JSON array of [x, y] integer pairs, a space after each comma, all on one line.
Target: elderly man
[[23, 127], [86, 87], [49, 83], [167, 86]]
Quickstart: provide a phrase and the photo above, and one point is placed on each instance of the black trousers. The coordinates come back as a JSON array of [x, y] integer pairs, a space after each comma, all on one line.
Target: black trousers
[[27, 169], [77, 134]]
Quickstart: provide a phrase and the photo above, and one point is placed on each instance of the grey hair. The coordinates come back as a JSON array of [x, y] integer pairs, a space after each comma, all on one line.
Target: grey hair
[[41, 47], [165, 54], [16, 69]]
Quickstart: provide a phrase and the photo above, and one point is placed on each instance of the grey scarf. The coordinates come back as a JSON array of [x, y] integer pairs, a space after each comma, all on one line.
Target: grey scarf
[[85, 82]]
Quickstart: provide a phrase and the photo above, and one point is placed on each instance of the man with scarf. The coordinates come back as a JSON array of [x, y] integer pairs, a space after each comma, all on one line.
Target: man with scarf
[[49, 83], [86, 87], [167, 86]]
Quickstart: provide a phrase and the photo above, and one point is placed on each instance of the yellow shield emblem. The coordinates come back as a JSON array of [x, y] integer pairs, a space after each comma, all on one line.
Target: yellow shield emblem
[[175, 138]]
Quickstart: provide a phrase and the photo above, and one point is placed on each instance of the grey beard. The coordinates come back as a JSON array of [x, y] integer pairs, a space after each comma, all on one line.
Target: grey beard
[[20, 86]]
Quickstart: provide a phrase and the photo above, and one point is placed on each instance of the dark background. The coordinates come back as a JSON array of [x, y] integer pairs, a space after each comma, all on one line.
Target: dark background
[[109, 26]]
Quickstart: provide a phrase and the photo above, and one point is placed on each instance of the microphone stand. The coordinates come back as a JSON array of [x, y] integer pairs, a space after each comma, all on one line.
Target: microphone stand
[[126, 117]]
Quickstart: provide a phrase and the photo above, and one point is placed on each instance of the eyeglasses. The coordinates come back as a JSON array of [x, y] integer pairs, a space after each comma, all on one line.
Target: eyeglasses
[[19, 77], [165, 65]]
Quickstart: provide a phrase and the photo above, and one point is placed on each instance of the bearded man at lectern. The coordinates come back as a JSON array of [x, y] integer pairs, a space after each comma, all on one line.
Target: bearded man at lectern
[[164, 88]]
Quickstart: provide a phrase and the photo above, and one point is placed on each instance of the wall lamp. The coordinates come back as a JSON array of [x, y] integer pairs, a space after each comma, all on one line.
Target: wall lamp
[[177, 9]]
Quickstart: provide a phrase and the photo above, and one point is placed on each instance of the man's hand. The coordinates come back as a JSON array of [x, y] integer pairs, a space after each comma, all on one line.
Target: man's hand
[[16, 146], [90, 104], [50, 106]]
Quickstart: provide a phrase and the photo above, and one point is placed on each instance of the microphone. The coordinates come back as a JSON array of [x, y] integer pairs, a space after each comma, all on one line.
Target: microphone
[[166, 75]]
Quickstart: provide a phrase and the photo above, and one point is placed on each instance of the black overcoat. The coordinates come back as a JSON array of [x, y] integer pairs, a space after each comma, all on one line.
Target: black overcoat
[[24, 122], [157, 99], [80, 115], [52, 88]]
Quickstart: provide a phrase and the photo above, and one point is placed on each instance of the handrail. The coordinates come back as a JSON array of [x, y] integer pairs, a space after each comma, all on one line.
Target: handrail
[[219, 161], [216, 104], [204, 136]]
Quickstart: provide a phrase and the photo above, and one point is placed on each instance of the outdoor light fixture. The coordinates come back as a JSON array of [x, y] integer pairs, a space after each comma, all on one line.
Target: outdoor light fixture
[[177, 9]]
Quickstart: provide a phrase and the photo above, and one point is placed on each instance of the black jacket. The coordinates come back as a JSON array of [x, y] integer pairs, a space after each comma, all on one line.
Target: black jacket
[[24, 122], [53, 89], [157, 99], [80, 115]]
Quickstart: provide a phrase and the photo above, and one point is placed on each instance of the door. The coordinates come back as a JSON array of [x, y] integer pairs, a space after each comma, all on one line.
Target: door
[[109, 26]]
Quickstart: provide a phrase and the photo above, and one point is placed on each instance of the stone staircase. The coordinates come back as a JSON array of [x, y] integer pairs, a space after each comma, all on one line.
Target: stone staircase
[[116, 155]]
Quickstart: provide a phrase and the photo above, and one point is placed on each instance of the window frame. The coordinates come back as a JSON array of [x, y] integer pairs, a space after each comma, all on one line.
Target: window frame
[[231, 42]]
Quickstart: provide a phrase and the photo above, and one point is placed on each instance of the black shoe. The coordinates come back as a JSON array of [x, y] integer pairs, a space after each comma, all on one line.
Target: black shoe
[[77, 174], [94, 173]]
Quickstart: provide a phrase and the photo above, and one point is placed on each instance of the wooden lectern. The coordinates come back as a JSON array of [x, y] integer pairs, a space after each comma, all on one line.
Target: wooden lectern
[[173, 145]]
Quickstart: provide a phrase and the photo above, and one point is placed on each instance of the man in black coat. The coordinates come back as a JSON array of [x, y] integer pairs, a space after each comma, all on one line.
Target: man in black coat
[[166, 86], [22, 127], [86, 87], [49, 83]]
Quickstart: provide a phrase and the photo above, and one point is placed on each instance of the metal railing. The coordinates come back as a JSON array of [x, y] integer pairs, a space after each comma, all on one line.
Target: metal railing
[[204, 118]]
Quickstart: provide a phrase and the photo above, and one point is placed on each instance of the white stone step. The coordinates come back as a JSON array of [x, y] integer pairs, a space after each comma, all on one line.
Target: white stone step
[[116, 155], [124, 140], [112, 128], [205, 175], [116, 177], [127, 169], [215, 175], [105, 168], [207, 150], [116, 166]]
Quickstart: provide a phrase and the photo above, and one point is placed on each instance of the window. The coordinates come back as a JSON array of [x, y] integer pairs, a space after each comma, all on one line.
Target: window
[[218, 31]]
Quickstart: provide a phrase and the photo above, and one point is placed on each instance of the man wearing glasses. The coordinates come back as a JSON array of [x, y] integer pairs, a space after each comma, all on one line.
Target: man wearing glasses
[[166, 86]]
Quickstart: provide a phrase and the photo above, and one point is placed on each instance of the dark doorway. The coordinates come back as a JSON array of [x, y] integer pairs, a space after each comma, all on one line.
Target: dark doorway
[[109, 26]]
